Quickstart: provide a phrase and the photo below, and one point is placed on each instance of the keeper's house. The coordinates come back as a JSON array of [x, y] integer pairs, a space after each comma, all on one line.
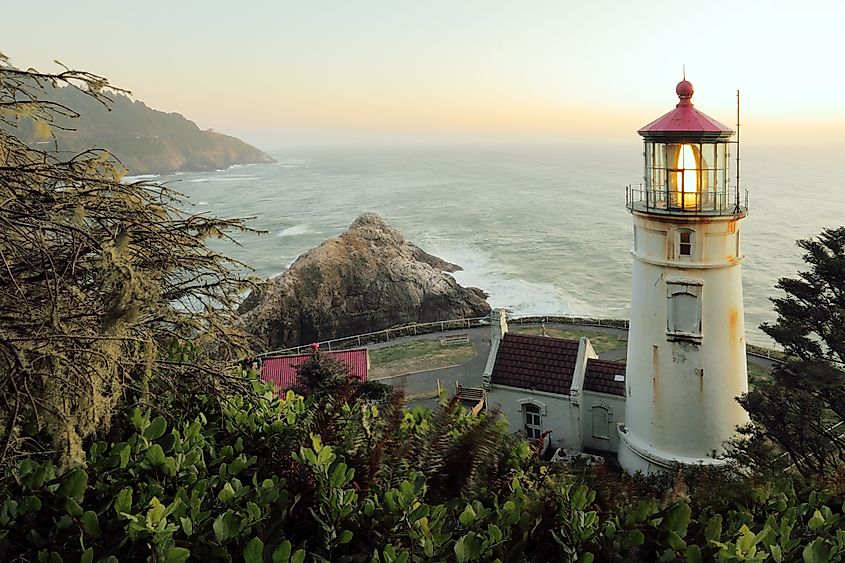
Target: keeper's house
[[555, 387]]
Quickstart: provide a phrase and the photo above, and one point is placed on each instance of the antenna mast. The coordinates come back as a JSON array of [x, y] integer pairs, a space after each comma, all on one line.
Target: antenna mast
[[737, 151]]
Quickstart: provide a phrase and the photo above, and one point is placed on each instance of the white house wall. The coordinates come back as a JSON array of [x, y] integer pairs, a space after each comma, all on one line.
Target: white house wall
[[558, 414], [615, 408]]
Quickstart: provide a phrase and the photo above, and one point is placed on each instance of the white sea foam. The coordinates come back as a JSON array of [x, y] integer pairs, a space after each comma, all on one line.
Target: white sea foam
[[223, 179], [293, 231], [508, 291], [139, 177]]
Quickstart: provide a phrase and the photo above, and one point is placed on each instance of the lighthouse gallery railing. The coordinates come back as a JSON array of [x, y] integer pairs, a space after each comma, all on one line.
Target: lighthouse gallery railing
[[692, 203]]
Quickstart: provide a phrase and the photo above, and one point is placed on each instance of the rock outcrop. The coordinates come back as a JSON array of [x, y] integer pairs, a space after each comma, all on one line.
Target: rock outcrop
[[367, 279]]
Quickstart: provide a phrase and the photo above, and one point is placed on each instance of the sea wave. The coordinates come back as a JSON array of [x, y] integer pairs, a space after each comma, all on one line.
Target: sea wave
[[293, 231], [139, 177], [508, 291], [235, 166], [224, 179]]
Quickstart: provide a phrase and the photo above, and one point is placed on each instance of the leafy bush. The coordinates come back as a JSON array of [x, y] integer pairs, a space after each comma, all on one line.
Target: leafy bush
[[253, 476]]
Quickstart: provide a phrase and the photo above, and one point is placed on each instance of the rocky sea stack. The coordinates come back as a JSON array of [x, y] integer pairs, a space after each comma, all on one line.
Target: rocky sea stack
[[367, 279]]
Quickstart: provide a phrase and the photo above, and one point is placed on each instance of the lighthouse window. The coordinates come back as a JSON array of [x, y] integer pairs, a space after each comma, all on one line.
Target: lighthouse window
[[683, 315], [533, 426], [684, 243]]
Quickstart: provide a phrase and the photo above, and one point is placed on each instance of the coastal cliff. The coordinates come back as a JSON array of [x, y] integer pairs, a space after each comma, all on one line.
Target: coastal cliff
[[367, 279], [145, 140]]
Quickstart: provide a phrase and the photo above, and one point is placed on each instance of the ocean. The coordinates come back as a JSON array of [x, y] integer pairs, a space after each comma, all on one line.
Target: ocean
[[542, 228]]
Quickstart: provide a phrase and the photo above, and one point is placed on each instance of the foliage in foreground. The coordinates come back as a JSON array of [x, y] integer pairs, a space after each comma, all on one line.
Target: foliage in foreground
[[338, 475], [99, 278]]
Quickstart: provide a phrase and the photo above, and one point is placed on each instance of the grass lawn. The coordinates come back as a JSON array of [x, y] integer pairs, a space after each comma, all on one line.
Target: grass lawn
[[757, 373], [601, 342], [417, 356]]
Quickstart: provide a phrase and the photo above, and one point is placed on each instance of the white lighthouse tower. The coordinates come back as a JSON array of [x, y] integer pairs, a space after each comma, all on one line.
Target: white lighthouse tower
[[686, 344]]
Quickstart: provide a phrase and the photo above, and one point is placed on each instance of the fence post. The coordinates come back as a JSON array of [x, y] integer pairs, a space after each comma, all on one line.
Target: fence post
[[441, 326], [387, 334]]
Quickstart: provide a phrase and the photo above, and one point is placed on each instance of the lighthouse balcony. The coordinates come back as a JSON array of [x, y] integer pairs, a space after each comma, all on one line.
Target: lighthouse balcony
[[670, 202]]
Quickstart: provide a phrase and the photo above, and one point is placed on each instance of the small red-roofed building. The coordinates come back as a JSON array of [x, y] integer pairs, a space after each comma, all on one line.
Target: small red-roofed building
[[281, 370], [555, 387]]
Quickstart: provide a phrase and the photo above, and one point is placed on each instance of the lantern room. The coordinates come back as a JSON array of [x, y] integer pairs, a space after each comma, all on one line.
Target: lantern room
[[686, 163]]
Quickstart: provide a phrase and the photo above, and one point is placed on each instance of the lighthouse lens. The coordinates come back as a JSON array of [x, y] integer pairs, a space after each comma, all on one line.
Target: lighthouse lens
[[688, 180]]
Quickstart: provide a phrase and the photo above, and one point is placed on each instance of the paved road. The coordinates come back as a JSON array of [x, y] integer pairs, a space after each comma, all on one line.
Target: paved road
[[469, 374]]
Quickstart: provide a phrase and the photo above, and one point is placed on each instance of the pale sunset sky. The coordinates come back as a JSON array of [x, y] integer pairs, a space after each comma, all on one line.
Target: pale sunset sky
[[283, 72]]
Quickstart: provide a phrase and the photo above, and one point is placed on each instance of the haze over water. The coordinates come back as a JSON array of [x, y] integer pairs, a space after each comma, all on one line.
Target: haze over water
[[542, 228]]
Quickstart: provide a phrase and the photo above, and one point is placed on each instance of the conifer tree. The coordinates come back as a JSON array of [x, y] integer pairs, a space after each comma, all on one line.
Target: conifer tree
[[803, 407]]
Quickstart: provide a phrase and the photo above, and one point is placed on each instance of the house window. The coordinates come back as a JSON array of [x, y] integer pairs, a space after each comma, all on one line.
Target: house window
[[601, 422], [684, 242], [533, 426], [683, 315]]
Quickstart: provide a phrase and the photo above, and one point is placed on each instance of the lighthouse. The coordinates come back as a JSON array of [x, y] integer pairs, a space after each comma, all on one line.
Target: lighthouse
[[686, 359]]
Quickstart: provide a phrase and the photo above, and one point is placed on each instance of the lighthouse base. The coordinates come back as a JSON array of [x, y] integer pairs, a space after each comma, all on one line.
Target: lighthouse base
[[636, 456]]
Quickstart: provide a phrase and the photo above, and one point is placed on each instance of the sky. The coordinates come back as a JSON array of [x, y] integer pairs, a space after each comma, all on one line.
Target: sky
[[286, 72]]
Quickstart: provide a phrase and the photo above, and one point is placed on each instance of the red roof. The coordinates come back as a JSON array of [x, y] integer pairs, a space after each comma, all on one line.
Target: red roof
[[685, 119], [540, 363], [605, 376], [282, 370]]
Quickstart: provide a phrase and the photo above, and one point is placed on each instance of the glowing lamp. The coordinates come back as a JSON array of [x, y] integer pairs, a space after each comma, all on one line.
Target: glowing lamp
[[686, 162]]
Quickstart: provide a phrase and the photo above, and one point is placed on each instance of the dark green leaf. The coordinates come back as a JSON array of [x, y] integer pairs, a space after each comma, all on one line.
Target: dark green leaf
[[177, 555], [156, 428], [678, 519], [254, 551], [72, 507], [74, 484], [713, 530], [124, 455], [90, 524], [282, 552], [693, 554], [123, 501], [187, 525], [675, 541], [155, 455]]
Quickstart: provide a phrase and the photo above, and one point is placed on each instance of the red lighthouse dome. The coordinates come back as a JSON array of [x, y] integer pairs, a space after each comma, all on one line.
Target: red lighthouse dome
[[685, 120]]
